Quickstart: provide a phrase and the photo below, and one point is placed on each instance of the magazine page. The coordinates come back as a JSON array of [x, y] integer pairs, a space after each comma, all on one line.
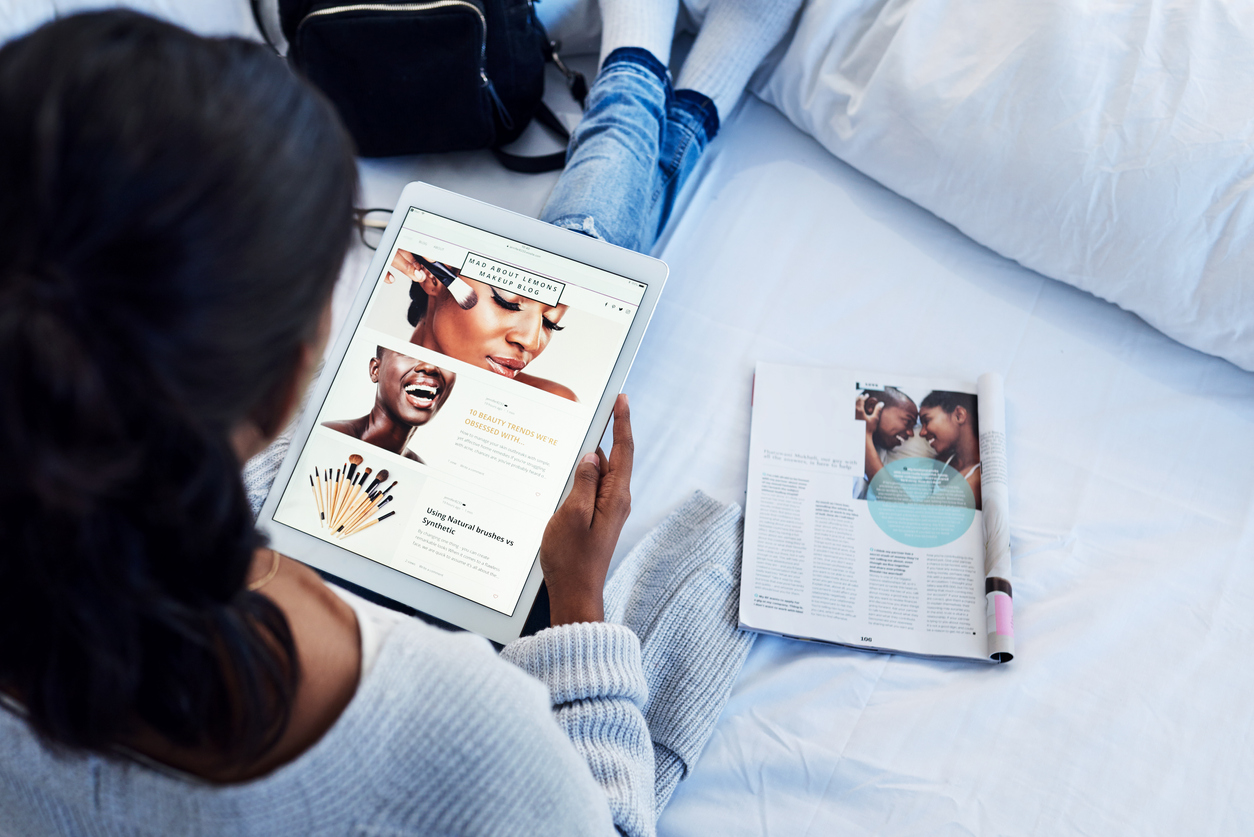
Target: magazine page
[[864, 521]]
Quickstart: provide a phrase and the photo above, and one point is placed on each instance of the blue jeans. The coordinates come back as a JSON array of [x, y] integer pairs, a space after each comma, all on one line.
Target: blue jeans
[[632, 152]]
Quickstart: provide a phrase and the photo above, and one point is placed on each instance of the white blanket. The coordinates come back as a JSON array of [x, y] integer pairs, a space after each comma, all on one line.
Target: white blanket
[[1103, 143]]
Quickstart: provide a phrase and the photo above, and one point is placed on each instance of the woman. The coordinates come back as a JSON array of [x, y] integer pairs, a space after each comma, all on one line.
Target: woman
[[174, 214], [501, 331], [950, 423], [175, 211], [409, 394]]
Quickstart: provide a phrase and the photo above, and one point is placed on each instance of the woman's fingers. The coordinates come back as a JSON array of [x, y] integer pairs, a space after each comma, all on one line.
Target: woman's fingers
[[614, 498], [404, 263], [623, 453], [582, 499], [406, 259], [408, 265]]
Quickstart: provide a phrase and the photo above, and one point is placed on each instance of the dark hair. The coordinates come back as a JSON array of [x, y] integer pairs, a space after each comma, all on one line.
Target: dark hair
[[950, 401], [417, 304], [173, 214], [890, 397]]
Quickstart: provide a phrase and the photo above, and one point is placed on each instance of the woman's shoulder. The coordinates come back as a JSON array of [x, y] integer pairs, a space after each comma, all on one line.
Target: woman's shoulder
[[446, 689], [560, 390], [441, 736], [444, 707]]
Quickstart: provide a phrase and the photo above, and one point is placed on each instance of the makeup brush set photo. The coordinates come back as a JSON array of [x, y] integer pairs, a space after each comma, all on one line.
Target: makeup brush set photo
[[346, 504]]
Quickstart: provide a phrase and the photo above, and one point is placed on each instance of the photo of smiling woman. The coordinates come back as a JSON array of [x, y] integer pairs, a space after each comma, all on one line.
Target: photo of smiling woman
[[949, 421], [409, 394], [488, 327]]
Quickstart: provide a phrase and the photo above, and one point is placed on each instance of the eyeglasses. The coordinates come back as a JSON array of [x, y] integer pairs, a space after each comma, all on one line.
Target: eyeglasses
[[370, 225]]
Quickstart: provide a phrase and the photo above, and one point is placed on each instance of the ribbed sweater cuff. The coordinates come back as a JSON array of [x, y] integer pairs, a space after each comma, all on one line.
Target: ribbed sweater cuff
[[583, 661]]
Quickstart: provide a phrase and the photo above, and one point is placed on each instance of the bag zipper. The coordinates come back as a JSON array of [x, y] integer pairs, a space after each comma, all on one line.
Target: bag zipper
[[425, 7]]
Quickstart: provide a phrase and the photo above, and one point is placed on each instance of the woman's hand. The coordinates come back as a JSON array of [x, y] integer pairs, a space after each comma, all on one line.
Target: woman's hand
[[580, 538], [405, 264]]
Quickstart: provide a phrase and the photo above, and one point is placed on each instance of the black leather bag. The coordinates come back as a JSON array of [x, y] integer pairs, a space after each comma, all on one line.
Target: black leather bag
[[420, 77]]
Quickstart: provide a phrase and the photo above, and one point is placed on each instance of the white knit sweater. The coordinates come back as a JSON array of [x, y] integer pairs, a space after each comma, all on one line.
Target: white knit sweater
[[444, 737]]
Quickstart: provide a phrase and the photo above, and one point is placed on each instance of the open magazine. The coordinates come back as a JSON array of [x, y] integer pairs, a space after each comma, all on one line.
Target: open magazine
[[877, 514]]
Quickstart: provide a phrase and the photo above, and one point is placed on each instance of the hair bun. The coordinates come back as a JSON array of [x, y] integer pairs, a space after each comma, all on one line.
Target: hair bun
[[174, 211]]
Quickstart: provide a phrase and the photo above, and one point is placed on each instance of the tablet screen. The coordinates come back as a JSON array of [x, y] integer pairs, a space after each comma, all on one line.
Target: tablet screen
[[456, 415]]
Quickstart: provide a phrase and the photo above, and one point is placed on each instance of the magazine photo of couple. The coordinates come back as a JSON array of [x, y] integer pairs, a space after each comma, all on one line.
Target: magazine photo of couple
[[943, 426]]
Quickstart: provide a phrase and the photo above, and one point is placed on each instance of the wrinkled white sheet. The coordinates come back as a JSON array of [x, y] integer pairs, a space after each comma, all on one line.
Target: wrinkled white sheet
[[1103, 143], [1127, 710]]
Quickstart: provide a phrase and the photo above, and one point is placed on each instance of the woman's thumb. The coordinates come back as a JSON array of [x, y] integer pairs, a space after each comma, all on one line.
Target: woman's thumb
[[583, 492]]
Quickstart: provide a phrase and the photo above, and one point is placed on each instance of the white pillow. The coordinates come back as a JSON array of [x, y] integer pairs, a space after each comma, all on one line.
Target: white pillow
[[1106, 144]]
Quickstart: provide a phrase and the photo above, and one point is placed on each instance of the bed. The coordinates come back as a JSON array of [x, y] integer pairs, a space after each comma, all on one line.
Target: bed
[[1127, 708]]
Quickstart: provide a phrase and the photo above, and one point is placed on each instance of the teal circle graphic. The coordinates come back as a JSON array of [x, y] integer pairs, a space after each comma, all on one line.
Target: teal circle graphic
[[921, 502]]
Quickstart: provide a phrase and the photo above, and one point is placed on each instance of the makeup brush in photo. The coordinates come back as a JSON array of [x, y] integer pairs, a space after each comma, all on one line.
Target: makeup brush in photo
[[463, 293], [363, 516], [335, 488], [378, 478], [326, 488], [349, 503], [366, 500], [355, 497], [322, 518], [372, 505], [350, 479], [340, 494], [371, 523], [368, 508]]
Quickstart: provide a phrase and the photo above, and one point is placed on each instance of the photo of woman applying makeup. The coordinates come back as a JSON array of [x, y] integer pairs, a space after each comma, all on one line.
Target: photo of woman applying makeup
[[477, 323]]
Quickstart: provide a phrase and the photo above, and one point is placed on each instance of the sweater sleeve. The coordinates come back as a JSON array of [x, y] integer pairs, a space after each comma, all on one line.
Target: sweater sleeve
[[597, 687]]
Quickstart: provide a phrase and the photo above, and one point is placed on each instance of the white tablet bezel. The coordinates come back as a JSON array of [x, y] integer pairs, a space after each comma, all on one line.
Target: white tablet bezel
[[392, 583]]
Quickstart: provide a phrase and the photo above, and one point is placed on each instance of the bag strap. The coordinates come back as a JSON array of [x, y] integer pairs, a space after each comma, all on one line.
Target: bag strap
[[578, 87], [543, 162]]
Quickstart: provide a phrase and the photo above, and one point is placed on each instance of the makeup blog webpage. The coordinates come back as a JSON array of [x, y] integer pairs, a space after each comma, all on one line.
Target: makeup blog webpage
[[876, 513], [455, 418]]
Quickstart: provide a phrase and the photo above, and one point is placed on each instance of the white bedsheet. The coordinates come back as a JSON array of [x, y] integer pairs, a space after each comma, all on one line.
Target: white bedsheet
[[1127, 709]]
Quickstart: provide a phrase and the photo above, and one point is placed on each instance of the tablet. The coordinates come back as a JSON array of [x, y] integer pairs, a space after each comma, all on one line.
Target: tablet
[[479, 362]]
